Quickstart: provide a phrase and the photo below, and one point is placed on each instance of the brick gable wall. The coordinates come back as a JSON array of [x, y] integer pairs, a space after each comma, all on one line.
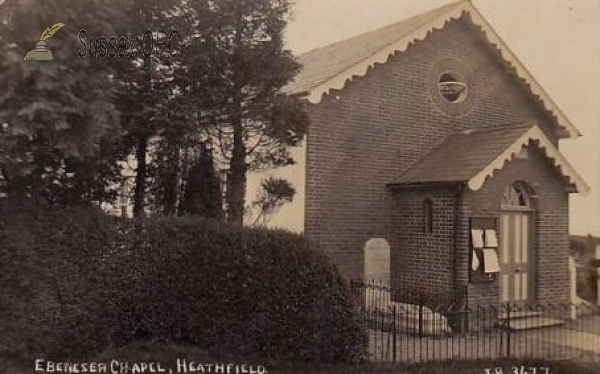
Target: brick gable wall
[[367, 134]]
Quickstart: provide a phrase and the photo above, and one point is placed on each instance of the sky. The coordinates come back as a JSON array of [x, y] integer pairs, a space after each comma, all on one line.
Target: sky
[[557, 40]]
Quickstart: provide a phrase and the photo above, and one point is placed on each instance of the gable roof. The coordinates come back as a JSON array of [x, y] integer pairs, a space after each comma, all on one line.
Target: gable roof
[[330, 67], [473, 156]]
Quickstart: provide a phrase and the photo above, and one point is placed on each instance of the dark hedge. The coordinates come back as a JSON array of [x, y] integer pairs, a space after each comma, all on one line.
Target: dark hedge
[[78, 281]]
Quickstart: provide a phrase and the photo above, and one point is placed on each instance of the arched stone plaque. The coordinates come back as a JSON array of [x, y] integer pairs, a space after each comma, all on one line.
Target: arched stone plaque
[[377, 260]]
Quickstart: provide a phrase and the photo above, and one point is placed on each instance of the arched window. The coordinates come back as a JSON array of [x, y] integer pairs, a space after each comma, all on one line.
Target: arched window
[[516, 195], [428, 215]]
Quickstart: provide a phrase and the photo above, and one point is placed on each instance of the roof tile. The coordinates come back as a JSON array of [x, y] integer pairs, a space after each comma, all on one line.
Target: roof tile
[[323, 63], [463, 155]]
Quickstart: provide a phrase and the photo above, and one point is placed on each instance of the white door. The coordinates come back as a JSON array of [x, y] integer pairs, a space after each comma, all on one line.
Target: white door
[[515, 257]]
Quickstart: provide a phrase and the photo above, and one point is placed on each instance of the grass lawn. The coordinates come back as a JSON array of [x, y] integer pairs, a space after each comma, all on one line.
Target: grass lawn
[[168, 355]]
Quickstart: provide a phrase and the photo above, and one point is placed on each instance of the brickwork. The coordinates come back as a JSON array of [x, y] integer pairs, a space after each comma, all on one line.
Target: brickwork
[[366, 135], [550, 227], [424, 261]]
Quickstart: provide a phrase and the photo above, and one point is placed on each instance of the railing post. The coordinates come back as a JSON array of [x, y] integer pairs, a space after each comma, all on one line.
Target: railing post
[[508, 337], [573, 287], [598, 272], [421, 301], [394, 334]]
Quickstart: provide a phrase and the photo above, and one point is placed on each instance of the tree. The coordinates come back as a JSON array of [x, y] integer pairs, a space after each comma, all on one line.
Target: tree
[[54, 115], [202, 194], [144, 85], [57, 180], [238, 68], [272, 195]]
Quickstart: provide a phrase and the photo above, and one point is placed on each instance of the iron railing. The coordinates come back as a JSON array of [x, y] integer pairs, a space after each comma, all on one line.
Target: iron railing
[[413, 327]]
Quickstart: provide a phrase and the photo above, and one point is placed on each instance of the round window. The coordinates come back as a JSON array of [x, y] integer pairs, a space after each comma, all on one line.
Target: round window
[[452, 87]]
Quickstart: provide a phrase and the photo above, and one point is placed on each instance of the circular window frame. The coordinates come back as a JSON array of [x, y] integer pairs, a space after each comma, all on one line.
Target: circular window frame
[[452, 87], [459, 73]]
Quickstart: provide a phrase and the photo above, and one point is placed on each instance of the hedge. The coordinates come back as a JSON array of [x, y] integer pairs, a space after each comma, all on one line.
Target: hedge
[[80, 281], [49, 279]]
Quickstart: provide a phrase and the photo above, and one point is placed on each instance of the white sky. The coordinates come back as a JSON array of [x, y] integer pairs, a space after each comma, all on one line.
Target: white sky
[[557, 40]]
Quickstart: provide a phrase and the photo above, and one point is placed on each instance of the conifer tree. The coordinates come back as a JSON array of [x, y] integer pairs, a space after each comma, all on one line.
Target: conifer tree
[[202, 194]]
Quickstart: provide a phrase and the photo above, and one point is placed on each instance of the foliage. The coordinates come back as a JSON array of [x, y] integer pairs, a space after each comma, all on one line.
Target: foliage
[[77, 281], [52, 279], [236, 71], [202, 195], [60, 108], [145, 91], [583, 249], [223, 89], [236, 290], [272, 195], [58, 180], [67, 124]]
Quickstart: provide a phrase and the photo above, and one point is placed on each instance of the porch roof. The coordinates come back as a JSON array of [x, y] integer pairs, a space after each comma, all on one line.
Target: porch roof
[[472, 156]]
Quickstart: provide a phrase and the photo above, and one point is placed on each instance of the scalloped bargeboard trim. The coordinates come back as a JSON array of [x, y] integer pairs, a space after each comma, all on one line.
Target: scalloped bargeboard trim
[[361, 68], [544, 144]]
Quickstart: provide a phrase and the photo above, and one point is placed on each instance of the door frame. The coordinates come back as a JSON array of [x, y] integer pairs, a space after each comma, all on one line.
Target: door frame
[[511, 212]]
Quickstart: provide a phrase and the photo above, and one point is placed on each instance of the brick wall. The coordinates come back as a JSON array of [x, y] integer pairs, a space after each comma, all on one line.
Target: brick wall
[[367, 134], [550, 227], [424, 261]]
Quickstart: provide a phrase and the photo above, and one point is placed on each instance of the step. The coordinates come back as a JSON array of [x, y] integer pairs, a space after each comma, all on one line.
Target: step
[[519, 314], [534, 323]]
